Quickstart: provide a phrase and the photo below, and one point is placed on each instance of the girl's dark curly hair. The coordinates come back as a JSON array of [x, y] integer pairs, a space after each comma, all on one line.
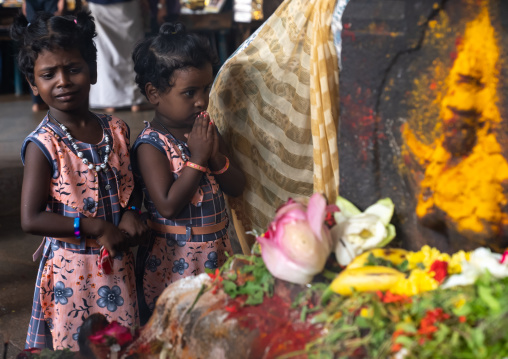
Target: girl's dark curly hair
[[48, 32], [157, 58]]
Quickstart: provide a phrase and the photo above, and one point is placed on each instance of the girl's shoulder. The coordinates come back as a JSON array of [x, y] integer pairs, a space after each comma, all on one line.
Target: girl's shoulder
[[154, 137], [47, 137], [46, 132]]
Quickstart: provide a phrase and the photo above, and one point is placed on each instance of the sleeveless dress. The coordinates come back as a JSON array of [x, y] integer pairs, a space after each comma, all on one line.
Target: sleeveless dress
[[70, 286], [169, 257]]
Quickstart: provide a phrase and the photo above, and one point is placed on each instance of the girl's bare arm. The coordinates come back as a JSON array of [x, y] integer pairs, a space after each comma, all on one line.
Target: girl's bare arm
[[170, 196], [34, 197]]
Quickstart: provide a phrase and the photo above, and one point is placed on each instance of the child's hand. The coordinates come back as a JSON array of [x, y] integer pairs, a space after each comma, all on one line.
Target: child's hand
[[111, 238], [201, 139], [215, 148], [134, 228]]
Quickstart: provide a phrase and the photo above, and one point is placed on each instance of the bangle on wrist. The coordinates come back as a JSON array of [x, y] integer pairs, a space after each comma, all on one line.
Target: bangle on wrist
[[134, 208], [195, 166], [223, 169], [77, 227]]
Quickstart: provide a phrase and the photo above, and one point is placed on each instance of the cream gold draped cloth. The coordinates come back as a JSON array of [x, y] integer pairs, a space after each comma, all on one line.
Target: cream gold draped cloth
[[276, 104]]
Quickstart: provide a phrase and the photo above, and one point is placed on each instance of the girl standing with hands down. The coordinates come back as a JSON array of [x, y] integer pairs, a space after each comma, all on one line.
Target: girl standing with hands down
[[183, 163], [78, 188]]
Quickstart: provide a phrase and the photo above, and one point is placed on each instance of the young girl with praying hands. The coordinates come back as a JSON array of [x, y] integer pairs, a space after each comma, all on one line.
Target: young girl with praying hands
[[78, 188], [183, 164]]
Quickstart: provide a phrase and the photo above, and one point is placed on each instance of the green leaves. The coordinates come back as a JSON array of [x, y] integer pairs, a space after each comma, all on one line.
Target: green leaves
[[474, 326], [258, 284]]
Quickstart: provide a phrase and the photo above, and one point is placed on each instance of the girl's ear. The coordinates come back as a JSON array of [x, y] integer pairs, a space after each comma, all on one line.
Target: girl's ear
[[33, 87], [152, 94]]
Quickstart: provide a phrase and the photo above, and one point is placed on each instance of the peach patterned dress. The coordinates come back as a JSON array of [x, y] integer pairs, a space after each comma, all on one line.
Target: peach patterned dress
[[169, 257], [70, 286]]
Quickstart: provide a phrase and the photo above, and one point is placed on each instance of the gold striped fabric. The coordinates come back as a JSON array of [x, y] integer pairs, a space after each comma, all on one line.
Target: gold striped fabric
[[276, 105]]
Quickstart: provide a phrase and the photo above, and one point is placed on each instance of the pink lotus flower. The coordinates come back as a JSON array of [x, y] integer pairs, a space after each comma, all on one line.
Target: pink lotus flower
[[297, 243]]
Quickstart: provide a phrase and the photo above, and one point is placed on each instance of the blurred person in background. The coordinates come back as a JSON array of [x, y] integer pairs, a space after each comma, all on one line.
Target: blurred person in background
[[162, 11], [119, 25]]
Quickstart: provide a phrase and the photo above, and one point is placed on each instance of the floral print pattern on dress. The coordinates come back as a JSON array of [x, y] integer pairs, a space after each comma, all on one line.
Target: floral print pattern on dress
[[54, 248], [56, 172], [95, 293], [89, 204], [179, 266], [180, 242], [66, 267], [75, 336], [176, 162], [213, 261], [154, 136], [110, 297], [66, 164], [62, 293], [180, 255], [153, 263]]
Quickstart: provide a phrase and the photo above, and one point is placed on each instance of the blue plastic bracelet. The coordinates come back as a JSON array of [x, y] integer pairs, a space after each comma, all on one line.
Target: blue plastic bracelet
[[77, 227]]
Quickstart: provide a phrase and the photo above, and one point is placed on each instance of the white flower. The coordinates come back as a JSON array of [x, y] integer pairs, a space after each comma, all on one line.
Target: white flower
[[481, 260], [357, 232], [401, 354]]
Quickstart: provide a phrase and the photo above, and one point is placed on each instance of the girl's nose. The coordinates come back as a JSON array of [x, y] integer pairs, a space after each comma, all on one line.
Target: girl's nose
[[201, 102], [63, 79]]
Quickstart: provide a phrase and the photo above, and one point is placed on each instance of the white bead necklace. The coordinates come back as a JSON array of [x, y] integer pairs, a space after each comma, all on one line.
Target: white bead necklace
[[91, 166], [180, 146]]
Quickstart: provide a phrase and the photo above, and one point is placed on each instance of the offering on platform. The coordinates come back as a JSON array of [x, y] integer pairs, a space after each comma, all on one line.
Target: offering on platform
[[386, 302]]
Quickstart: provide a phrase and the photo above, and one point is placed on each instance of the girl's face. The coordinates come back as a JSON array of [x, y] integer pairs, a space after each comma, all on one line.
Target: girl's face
[[62, 78], [181, 104]]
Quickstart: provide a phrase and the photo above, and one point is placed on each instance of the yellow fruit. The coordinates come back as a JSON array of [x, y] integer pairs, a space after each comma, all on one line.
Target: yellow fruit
[[394, 255], [365, 279]]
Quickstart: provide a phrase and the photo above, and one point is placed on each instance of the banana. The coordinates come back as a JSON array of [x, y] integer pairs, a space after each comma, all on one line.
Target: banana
[[365, 279], [394, 255]]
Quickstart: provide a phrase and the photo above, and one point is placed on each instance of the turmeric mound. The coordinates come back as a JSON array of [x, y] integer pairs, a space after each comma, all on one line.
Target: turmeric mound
[[466, 176]]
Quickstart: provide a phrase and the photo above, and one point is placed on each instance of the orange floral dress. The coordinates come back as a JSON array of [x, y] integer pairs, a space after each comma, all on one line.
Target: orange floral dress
[[169, 257], [70, 286]]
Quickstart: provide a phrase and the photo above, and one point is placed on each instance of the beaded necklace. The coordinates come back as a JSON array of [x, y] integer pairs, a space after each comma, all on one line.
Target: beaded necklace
[[91, 166], [180, 146]]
